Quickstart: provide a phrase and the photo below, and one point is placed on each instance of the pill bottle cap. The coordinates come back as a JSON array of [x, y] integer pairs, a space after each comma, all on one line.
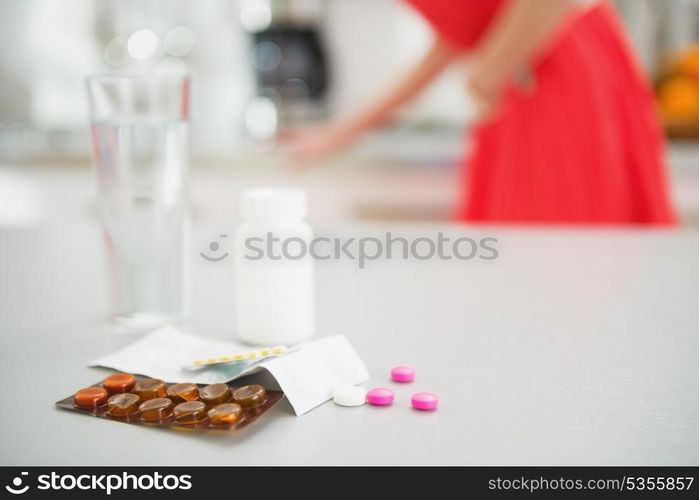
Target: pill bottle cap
[[274, 203]]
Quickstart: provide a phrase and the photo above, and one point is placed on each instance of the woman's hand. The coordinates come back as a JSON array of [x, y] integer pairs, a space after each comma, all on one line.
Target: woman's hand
[[511, 45], [485, 87], [313, 144]]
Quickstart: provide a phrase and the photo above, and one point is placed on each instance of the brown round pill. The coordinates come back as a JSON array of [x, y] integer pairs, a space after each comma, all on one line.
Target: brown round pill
[[156, 409], [186, 391], [90, 397], [122, 405], [190, 412], [215, 394], [119, 382], [250, 396], [150, 388], [225, 414]]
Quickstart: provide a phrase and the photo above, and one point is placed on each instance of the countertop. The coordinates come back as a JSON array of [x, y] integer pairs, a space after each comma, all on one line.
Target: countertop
[[573, 347]]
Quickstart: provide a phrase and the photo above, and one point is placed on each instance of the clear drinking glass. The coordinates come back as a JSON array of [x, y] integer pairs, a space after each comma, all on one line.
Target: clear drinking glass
[[140, 149]]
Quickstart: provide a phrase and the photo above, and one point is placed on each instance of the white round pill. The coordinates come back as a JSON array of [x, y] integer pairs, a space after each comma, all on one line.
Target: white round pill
[[349, 396]]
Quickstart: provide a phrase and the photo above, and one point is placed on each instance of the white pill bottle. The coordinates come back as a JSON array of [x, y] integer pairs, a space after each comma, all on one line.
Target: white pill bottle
[[273, 268]]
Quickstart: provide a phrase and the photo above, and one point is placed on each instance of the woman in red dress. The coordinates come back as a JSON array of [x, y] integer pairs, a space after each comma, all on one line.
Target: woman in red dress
[[567, 129]]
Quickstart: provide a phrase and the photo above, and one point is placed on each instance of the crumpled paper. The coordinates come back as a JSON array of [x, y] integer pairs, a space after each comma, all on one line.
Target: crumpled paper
[[307, 376]]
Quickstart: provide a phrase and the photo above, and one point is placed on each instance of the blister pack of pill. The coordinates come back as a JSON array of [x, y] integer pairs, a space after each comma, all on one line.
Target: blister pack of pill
[[127, 398]]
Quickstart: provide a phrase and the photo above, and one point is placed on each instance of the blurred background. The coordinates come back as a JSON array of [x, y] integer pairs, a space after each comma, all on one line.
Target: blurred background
[[262, 65]]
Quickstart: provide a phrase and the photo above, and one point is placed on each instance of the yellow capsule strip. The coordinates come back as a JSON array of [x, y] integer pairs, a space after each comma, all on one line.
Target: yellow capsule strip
[[265, 352]]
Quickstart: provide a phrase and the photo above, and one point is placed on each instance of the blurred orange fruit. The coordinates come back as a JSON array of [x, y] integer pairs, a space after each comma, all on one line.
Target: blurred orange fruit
[[688, 62], [679, 98]]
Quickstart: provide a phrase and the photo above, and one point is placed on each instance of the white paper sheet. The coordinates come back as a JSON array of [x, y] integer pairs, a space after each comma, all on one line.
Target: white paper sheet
[[307, 376]]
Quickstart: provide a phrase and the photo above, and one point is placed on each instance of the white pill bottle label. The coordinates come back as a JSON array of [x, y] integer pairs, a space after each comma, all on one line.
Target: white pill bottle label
[[274, 270]]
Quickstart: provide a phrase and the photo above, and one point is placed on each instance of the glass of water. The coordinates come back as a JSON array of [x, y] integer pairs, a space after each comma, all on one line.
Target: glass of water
[[140, 153]]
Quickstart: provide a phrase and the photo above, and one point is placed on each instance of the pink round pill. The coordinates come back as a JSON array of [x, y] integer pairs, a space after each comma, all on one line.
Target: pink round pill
[[403, 373], [380, 396], [424, 401]]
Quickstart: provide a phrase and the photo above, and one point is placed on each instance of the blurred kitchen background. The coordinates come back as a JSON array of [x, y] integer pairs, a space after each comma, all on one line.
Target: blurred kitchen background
[[261, 65]]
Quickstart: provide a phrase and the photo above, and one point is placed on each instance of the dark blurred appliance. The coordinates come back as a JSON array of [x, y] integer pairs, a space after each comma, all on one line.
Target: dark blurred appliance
[[291, 60], [290, 63]]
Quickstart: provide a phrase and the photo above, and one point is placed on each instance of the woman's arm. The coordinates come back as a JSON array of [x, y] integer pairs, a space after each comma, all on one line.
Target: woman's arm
[[405, 89], [313, 144], [514, 39]]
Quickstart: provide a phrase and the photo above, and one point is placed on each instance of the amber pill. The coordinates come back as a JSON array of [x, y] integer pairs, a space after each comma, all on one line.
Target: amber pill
[[225, 414], [250, 396], [122, 405], [119, 382], [186, 391], [150, 388], [190, 412], [215, 394], [90, 397], [156, 409]]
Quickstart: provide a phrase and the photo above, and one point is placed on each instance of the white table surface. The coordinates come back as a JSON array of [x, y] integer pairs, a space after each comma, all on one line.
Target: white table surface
[[574, 347]]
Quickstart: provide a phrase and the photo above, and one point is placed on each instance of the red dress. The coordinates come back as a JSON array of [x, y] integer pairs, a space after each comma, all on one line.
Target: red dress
[[583, 147]]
